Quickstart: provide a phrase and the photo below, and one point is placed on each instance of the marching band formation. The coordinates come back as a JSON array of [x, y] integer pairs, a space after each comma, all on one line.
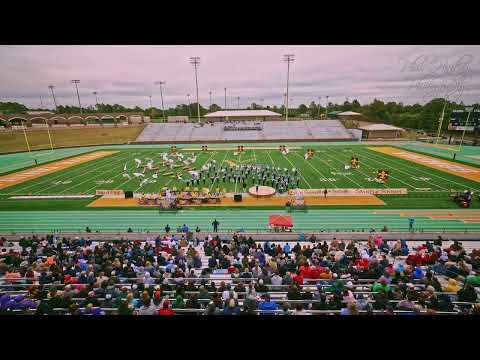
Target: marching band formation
[[210, 173]]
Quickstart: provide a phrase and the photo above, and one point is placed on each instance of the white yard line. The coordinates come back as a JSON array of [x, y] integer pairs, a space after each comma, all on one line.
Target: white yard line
[[323, 177], [359, 185], [121, 173], [239, 161], [396, 169], [81, 174], [172, 179], [215, 180], [432, 174], [99, 175], [60, 175], [299, 173]]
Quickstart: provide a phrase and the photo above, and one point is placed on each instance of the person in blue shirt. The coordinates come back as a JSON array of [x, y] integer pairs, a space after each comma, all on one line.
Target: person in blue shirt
[[232, 308], [418, 273], [267, 306], [411, 222], [286, 249], [185, 228]]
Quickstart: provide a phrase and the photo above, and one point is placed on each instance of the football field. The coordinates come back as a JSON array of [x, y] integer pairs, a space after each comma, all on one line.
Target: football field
[[325, 170]]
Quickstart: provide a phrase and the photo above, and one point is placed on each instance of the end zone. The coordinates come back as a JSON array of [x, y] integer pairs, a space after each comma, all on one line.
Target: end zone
[[451, 167], [38, 171]]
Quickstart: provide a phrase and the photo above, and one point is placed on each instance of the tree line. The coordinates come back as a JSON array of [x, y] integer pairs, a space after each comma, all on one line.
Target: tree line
[[414, 116]]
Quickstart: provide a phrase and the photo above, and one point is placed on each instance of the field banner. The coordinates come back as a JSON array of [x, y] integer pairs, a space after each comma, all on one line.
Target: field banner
[[348, 192], [111, 194]]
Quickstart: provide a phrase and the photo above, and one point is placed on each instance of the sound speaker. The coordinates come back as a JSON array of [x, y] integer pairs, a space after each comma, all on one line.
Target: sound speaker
[[128, 194], [237, 197]]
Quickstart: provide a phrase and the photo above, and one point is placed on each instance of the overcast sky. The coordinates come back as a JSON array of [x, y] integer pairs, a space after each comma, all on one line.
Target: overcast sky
[[126, 74]]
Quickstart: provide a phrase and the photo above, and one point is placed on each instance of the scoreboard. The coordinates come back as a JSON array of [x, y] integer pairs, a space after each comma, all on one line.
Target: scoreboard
[[458, 120]]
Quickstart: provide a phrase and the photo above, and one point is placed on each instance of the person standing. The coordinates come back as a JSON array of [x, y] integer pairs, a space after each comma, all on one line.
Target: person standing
[[411, 221], [325, 193], [167, 229], [215, 224]]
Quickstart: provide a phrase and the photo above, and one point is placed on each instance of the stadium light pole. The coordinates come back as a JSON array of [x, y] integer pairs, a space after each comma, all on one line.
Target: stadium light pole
[[41, 102], [210, 93], [78, 95], [288, 59], [326, 107], [465, 128], [96, 98], [151, 107], [189, 109], [160, 83], [441, 121], [225, 98], [53, 95], [195, 61], [319, 106]]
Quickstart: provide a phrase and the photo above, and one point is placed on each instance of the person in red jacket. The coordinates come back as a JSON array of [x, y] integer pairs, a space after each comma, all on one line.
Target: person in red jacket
[[165, 310], [314, 272], [304, 271], [298, 279]]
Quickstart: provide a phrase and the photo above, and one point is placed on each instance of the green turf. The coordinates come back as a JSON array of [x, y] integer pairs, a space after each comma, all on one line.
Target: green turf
[[325, 170], [468, 154]]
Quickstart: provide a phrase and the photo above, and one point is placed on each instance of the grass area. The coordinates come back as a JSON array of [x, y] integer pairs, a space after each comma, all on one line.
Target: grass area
[[12, 141], [428, 188]]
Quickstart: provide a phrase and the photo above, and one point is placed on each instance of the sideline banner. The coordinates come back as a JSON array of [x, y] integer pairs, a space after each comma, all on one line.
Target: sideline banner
[[111, 194], [348, 192]]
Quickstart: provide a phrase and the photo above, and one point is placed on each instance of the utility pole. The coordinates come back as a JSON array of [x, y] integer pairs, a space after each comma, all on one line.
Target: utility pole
[[78, 95], [161, 96], [225, 99], [210, 93], [53, 95], [288, 59], [189, 110], [41, 102], [238, 102]]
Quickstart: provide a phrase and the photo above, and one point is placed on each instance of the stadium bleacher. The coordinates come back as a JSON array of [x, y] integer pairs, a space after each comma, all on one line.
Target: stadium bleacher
[[169, 274], [270, 130]]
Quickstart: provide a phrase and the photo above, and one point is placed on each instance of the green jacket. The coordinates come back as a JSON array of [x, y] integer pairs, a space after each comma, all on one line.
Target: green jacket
[[473, 280], [378, 287]]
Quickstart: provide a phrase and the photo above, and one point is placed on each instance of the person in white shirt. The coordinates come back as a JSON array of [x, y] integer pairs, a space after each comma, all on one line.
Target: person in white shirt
[[229, 293]]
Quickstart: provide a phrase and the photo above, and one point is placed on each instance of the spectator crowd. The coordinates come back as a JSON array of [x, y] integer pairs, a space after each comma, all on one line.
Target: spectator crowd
[[188, 274]]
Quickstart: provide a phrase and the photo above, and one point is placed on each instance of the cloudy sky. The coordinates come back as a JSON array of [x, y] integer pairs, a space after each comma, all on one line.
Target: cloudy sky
[[126, 74]]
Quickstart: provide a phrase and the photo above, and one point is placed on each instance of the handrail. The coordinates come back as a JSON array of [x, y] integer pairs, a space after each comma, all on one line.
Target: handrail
[[262, 312]]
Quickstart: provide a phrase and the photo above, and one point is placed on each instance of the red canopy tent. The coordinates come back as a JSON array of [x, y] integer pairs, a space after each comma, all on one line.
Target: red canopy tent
[[280, 221]]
